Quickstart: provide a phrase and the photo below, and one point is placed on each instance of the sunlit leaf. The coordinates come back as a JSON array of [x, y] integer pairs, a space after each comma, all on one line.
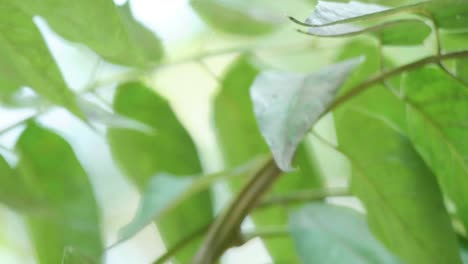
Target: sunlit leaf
[[26, 61], [288, 104], [333, 234], [240, 141], [54, 176], [169, 149], [229, 19], [437, 119], [401, 196], [109, 30]]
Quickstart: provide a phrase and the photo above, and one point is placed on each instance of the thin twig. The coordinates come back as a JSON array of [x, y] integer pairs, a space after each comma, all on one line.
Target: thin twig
[[358, 89], [303, 196], [182, 244]]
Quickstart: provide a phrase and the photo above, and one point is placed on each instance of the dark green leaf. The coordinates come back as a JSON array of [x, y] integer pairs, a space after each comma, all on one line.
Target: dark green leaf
[[99, 24], [26, 61], [229, 19], [437, 120], [401, 195], [54, 176], [169, 149], [330, 234], [288, 104], [240, 141]]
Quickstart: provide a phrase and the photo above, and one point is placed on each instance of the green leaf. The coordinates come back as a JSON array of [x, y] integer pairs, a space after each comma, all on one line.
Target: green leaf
[[169, 149], [226, 18], [54, 176], [26, 61], [461, 69], [116, 36], [288, 104], [437, 115], [401, 195], [334, 234], [72, 256], [240, 141]]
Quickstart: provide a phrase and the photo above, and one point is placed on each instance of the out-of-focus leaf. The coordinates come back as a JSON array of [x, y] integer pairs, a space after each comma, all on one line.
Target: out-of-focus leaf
[[72, 256], [337, 16], [437, 119], [165, 193], [335, 235], [54, 176], [112, 33], [148, 47], [288, 104], [402, 198], [94, 112], [169, 149], [26, 61], [224, 17], [13, 192], [240, 141]]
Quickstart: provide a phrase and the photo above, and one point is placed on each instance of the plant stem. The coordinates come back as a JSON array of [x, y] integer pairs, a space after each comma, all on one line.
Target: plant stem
[[182, 244], [358, 89], [266, 232], [303, 196], [20, 122], [226, 228]]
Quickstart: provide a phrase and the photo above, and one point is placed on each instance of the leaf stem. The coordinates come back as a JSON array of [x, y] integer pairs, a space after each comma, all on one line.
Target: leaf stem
[[226, 227], [358, 89], [303, 196]]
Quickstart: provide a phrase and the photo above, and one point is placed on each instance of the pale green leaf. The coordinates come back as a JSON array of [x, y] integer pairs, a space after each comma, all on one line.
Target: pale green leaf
[[330, 234], [52, 173], [240, 141], [26, 61], [224, 17], [109, 30], [288, 104], [437, 119], [168, 149], [401, 196]]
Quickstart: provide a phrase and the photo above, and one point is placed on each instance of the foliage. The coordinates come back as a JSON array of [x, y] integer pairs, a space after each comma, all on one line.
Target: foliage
[[389, 78]]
